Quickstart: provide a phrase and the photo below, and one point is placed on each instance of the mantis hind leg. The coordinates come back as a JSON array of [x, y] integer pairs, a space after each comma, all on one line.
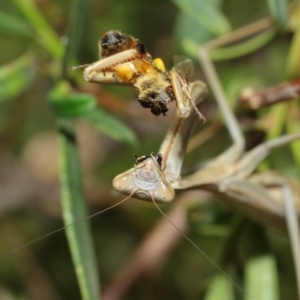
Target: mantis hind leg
[[291, 202], [235, 151]]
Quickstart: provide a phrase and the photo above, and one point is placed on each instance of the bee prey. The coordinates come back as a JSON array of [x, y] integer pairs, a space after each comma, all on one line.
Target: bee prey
[[125, 60]]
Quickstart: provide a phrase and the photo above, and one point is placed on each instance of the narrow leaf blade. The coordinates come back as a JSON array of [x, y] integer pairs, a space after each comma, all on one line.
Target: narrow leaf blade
[[46, 36], [13, 25], [74, 209], [205, 13], [16, 76], [220, 288], [261, 278], [279, 11], [111, 126], [73, 105]]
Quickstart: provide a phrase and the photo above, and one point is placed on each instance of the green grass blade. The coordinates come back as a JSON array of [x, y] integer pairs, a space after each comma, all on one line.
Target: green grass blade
[[75, 32], [16, 76], [13, 25], [278, 113], [220, 288], [279, 11], [243, 48], [293, 126], [74, 209], [261, 278], [45, 34], [293, 58]]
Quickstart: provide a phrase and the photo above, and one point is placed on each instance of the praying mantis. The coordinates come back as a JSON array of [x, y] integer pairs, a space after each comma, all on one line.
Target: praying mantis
[[257, 195], [266, 197], [230, 174]]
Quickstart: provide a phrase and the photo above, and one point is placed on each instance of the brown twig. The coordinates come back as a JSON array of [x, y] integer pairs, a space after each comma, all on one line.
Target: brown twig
[[275, 94]]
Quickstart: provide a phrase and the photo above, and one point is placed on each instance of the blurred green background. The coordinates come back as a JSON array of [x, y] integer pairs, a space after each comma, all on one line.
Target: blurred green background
[[39, 39]]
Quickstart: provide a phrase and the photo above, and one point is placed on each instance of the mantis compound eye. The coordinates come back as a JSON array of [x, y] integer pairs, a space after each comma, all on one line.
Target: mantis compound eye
[[159, 159]]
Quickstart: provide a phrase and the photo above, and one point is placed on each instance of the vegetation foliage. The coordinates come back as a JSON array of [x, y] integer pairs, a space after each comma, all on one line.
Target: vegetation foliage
[[63, 140]]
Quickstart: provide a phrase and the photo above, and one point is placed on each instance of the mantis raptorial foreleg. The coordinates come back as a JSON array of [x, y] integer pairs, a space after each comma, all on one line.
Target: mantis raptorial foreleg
[[175, 143]]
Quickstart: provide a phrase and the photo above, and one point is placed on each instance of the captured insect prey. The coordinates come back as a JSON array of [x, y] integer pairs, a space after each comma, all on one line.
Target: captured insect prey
[[145, 180], [113, 42], [125, 60]]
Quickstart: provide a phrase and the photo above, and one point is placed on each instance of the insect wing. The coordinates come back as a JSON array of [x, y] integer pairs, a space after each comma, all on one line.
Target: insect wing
[[183, 65], [182, 94]]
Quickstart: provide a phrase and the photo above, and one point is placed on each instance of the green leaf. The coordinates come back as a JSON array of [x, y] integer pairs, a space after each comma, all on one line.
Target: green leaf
[[73, 203], [293, 58], [261, 278], [74, 105], [74, 32], [205, 13], [279, 11], [13, 25], [75, 209], [243, 48], [187, 37], [46, 36], [70, 105], [278, 113], [292, 127], [220, 288], [111, 126], [16, 76]]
